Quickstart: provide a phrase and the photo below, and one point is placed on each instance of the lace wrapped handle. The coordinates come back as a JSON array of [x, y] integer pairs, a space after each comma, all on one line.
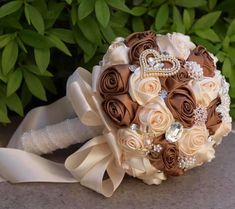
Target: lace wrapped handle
[[57, 136]]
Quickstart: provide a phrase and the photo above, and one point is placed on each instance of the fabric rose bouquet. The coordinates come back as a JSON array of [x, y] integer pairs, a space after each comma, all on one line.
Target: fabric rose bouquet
[[158, 104]]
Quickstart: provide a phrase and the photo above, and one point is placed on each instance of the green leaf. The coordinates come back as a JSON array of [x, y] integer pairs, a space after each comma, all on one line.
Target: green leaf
[[85, 8], [49, 85], [26, 13], [162, 16], [36, 19], [187, 19], [13, 102], [231, 28], [108, 33], [9, 8], [102, 12], [34, 39], [88, 47], [138, 11], [21, 45], [25, 95], [5, 39], [3, 113], [35, 70], [9, 56], [63, 34], [206, 21], [14, 81], [119, 4], [92, 33], [137, 24], [69, 1], [42, 58], [208, 34], [227, 67], [177, 19], [212, 4], [74, 14], [59, 44], [190, 3], [34, 85]]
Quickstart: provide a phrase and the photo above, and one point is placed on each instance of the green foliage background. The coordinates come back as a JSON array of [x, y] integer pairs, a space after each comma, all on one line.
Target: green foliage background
[[43, 41]]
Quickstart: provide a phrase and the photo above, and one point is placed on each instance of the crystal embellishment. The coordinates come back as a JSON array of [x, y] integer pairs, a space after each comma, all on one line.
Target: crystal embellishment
[[162, 93], [174, 132], [157, 148], [194, 70], [134, 127], [132, 68], [200, 115]]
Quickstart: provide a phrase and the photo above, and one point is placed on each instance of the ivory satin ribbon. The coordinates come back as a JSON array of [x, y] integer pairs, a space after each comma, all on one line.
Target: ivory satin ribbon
[[89, 164]]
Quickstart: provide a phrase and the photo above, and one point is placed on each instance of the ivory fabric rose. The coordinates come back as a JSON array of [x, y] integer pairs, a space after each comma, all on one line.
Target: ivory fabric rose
[[206, 90], [130, 140], [116, 54], [193, 139], [214, 118], [121, 109], [170, 82], [222, 131], [202, 57], [156, 116], [205, 154], [138, 42], [143, 90], [176, 44], [114, 80], [182, 103], [167, 159]]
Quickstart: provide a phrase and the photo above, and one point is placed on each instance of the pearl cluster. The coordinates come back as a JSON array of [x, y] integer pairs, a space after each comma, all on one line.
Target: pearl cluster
[[224, 107], [187, 162]]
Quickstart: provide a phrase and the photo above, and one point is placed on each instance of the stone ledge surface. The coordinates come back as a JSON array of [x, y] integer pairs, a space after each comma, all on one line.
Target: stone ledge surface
[[211, 186]]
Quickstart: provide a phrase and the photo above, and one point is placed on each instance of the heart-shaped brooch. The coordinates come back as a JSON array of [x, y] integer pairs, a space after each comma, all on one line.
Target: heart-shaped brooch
[[154, 64]]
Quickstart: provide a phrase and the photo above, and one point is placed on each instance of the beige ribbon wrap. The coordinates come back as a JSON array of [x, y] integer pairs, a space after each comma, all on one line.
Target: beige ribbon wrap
[[90, 164]]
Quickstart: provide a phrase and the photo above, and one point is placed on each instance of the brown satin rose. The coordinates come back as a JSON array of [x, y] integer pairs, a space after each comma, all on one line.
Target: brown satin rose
[[121, 109], [182, 103], [167, 159], [202, 57], [214, 118], [170, 82], [138, 42], [114, 80]]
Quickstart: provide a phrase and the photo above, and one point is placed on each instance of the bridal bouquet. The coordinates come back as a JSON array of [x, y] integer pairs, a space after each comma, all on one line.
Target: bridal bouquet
[[155, 106]]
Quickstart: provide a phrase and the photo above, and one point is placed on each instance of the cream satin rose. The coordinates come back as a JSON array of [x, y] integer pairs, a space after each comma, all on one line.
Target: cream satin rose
[[142, 90], [156, 116], [141, 168], [206, 90], [222, 131], [117, 54], [130, 140], [193, 139], [205, 154], [175, 44]]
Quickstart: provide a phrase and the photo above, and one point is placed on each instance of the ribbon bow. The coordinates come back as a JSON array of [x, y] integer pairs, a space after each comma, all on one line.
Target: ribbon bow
[[88, 165]]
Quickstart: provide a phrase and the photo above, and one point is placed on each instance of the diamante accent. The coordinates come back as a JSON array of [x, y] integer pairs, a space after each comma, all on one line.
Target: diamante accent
[[162, 93], [194, 70], [157, 148], [132, 68], [200, 115], [174, 132]]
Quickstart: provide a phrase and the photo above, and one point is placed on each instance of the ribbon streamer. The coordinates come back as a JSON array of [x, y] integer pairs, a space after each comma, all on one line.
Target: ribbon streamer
[[89, 164]]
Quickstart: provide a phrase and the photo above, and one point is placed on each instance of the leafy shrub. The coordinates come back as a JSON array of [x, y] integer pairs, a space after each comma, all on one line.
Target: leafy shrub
[[33, 32]]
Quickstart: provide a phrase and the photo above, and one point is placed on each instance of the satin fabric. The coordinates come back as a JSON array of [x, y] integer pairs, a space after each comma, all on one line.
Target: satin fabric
[[98, 157]]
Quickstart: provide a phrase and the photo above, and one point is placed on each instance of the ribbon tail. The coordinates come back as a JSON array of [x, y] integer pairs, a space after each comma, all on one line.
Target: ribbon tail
[[18, 166]]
